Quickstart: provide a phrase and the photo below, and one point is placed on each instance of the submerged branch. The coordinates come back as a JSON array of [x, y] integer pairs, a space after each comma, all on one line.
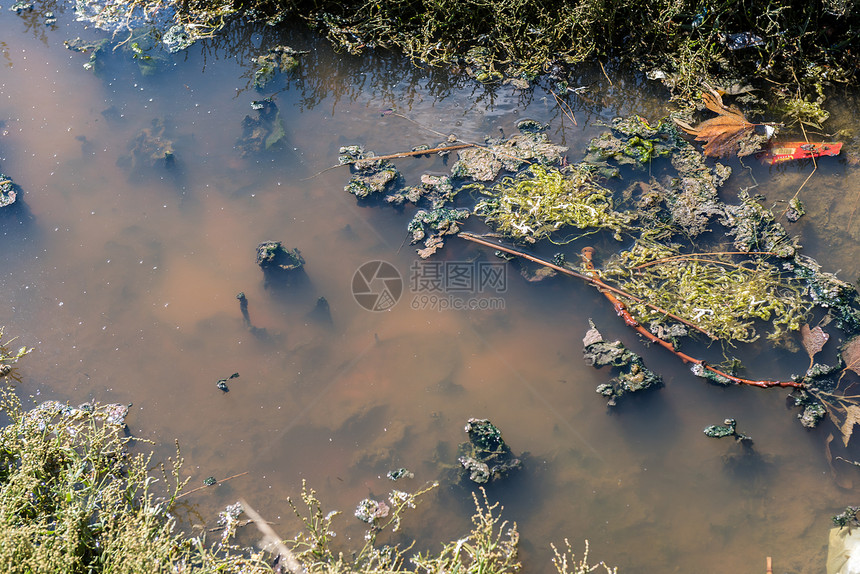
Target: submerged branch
[[413, 153], [609, 292]]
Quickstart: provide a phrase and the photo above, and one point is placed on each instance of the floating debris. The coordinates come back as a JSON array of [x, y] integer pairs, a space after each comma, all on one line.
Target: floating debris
[[400, 473], [243, 308], [150, 148], [228, 518], [728, 428], [321, 313], [438, 190], [790, 151], [273, 256], [280, 59], [486, 456], [21, 6], [261, 133], [222, 383], [741, 40], [368, 177], [430, 226], [633, 376], [485, 163], [161, 20], [178, 37], [7, 190], [795, 210], [95, 49], [44, 415], [370, 511]]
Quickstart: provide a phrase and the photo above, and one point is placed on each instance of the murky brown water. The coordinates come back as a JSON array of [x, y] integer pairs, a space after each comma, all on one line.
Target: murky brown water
[[125, 281]]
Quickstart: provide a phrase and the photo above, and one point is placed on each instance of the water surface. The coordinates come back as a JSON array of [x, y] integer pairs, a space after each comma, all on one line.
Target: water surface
[[123, 277]]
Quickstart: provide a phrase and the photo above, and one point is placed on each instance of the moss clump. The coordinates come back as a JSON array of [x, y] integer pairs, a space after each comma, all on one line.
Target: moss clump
[[369, 176], [280, 59], [632, 375], [544, 201], [632, 141], [511, 154]]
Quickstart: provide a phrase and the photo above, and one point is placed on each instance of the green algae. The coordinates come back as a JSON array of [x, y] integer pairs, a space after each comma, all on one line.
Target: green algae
[[631, 141], [542, 201], [724, 295]]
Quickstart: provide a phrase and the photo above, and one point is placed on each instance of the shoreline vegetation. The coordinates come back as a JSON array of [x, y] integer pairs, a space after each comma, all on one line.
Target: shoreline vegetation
[[78, 495], [790, 52]]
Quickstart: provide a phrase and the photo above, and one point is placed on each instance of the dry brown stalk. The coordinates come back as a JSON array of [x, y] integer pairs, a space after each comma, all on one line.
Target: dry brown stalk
[[565, 108], [272, 540], [413, 153], [609, 292], [210, 485]]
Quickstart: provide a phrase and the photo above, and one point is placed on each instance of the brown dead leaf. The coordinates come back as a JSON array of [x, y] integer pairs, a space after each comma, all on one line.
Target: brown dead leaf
[[851, 355], [852, 417], [813, 339], [722, 133]]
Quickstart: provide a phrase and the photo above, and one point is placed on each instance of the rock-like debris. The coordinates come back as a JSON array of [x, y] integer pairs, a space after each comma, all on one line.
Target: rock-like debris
[[632, 375], [486, 457]]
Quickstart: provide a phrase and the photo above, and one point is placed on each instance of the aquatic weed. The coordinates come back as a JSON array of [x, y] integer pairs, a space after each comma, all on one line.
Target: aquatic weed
[[543, 201]]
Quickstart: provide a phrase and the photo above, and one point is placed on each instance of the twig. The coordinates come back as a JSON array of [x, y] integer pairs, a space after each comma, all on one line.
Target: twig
[[271, 538], [586, 278], [604, 72], [412, 153], [210, 485], [565, 108], [394, 156]]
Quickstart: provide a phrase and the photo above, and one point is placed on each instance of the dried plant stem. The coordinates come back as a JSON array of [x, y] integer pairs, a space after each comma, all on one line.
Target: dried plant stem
[[192, 491], [609, 292], [270, 538], [565, 107], [413, 153]]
